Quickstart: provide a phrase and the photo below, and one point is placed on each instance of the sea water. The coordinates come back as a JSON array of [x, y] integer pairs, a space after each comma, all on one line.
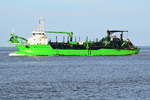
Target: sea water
[[75, 77]]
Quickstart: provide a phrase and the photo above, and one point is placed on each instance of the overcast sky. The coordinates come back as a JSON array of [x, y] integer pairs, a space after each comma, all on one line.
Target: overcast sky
[[84, 17]]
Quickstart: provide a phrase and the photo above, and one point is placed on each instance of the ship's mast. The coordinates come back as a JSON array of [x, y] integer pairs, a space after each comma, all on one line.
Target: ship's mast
[[40, 27]]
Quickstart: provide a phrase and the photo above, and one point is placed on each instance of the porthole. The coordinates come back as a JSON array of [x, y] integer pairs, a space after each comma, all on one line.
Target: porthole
[[27, 46]]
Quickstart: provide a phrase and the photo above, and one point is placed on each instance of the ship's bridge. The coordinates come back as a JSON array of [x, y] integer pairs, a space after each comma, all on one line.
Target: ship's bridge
[[38, 37]]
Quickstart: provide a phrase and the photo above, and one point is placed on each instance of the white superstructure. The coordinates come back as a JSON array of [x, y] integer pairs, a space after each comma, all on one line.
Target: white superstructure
[[39, 35]]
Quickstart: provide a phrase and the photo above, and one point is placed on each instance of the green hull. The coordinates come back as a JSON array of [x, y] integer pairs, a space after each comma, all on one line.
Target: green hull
[[47, 50]]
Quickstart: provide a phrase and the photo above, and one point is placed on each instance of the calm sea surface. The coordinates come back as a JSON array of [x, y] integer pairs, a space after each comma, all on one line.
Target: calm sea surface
[[75, 77]]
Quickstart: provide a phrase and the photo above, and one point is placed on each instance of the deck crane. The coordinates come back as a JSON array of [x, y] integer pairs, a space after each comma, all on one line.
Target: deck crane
[[16, 39], [70, 34], [110, 32]]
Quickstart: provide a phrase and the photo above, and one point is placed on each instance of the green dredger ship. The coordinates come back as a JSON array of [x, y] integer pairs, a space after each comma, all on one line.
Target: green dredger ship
[[38, 45]]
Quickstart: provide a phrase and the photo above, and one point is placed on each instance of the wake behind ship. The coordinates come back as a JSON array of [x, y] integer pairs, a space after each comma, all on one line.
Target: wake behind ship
[[39, 45]]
